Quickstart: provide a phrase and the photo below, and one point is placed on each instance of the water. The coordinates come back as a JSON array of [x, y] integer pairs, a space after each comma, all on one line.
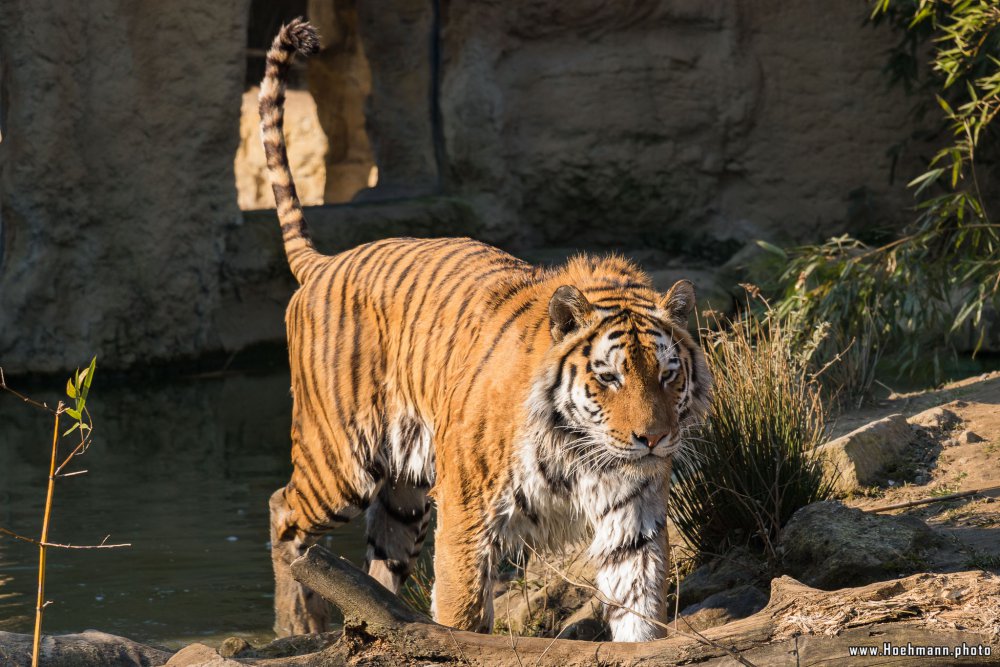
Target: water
[[182, 470]]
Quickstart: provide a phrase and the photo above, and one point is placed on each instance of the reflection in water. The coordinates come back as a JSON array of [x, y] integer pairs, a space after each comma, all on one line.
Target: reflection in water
[[181, 470]]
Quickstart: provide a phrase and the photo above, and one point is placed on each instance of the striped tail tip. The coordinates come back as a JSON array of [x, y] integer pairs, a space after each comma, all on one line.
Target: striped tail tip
[[301, 36]]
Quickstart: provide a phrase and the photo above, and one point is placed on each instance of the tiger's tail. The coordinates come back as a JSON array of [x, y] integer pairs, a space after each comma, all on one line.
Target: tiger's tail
[[297, 36]]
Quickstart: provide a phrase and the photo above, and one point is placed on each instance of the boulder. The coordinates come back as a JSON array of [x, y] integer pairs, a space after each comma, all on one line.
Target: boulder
[[738, 567], [587, 623], [542, 603], [828, 545], [967, 438], [723, 607], [90, 648], [936, 419], [853, 460], [199, 655]]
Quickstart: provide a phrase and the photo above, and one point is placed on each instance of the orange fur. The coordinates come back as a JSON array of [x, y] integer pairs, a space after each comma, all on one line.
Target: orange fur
[[426, 367]]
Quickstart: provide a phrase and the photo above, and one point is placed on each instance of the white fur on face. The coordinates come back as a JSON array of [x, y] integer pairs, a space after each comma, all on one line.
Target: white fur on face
[[609, 355]]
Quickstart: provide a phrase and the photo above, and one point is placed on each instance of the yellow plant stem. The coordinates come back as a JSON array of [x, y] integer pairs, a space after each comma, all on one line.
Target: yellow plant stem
[[40, 604]]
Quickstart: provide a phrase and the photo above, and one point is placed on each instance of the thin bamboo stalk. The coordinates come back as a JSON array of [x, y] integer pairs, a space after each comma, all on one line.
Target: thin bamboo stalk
[[40, 603]]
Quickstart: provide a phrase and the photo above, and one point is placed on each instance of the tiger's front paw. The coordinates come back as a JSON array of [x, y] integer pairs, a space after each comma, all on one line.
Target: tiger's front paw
[[627, 627]]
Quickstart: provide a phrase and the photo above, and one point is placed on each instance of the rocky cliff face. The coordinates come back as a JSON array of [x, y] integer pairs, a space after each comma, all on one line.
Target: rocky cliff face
[[677, 126], [680, 123], [121, 121]]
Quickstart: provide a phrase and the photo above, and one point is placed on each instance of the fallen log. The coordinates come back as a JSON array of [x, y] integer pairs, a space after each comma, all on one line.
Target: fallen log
[[916, 616]]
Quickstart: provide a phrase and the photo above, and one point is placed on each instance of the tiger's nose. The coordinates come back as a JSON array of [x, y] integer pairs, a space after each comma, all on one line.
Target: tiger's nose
[[650, 440]]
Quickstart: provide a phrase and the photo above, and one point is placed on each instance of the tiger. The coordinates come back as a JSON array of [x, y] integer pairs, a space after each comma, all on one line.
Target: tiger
[[532, 407]]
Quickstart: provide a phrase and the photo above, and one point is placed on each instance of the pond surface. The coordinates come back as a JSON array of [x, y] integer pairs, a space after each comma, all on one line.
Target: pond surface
[[183, 471]]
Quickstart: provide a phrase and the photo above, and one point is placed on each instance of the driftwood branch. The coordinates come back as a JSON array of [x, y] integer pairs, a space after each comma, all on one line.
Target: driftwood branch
[[359, 597]]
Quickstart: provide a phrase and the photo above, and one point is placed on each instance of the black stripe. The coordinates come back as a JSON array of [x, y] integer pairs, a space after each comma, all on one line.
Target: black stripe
[[401, 516], [398, 567], [509, 292], [635, 544], [521, 502], [614, 287], [339, 335], [518, 312], [466, 302], [553, 482], [630, 299], [628, 498], [460, 247], [307, 363]]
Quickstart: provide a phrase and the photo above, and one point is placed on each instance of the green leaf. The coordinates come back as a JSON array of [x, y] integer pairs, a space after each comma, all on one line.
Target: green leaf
[[71, 429], [944, 105], [70, 389], [92, 368], [74, 413], [926, 179], [90, 376], [771, 248]]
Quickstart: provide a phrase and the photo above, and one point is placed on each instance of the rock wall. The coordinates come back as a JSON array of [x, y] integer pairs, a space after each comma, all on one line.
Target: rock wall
[[116, 185], [671, 122], [669, 126], [341, 82]]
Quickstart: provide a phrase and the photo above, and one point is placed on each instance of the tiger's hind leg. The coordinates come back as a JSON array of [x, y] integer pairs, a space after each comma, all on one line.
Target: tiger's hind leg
[[397, 525], [294, 528]]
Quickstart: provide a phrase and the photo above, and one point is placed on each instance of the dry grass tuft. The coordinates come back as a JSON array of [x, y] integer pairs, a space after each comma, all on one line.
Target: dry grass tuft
[[750, 467]]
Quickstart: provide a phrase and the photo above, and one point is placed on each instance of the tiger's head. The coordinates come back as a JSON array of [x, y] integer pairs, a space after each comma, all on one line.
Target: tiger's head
[[627, 379]]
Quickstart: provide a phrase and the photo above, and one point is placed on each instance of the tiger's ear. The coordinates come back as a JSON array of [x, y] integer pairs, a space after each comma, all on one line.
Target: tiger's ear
[[568, 308], [678, 303]]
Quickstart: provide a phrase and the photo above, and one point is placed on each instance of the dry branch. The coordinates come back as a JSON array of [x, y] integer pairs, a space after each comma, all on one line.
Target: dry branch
[[934, 499]]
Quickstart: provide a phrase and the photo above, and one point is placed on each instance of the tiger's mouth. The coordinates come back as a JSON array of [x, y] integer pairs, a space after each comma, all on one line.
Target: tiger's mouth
[[633, 453], [606, 453]]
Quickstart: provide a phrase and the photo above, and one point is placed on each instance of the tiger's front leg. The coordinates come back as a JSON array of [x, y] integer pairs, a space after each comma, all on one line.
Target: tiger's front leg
[[631, 551], [463, 576]]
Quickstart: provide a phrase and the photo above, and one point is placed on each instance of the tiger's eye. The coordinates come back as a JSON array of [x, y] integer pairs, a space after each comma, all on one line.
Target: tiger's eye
[[608, 378], [669, 377]]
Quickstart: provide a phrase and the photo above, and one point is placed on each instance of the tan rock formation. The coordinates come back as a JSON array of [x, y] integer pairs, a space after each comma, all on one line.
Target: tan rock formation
[[675, 122], [116, 186], [307, 150]]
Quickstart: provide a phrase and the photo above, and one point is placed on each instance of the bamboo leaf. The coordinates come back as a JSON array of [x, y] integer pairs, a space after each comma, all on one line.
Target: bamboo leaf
[[771, 248]]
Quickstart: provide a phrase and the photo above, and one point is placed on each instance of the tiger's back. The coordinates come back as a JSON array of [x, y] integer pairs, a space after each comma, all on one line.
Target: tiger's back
[[374, 335]]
